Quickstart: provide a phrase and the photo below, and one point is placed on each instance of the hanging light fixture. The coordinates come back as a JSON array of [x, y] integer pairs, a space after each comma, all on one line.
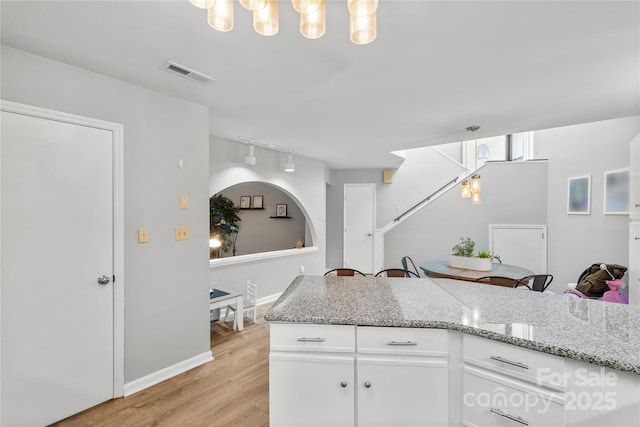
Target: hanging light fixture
[[362, 20], [253, 5], [290, 166], [465, 190], [362, 17], [475, 189], [202, 4], [265, 20], [250, 159], [220, 15], [313, 24], [306, 6]]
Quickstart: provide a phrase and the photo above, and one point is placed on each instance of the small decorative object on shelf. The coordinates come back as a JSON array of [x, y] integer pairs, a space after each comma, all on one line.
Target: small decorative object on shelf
[[462, 256], [281, 210], [245, 202]]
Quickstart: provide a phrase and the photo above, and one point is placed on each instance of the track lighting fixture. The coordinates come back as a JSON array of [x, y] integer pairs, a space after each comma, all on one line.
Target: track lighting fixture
[[290, 166], [250, 159]]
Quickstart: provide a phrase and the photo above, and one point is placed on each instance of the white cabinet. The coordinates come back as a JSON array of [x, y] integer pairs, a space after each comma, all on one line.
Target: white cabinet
[[402, 376], [320, 375], [634, 222], [311, 375], [508, 385], [311, 389]]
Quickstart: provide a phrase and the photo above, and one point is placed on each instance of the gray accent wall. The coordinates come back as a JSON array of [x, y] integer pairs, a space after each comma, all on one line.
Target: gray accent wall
[[166, 308], [258, 231], [577, 241], [512, 193]]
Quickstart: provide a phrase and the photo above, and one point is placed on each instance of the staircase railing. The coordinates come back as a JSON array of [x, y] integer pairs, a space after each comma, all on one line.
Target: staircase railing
[[453, 181]]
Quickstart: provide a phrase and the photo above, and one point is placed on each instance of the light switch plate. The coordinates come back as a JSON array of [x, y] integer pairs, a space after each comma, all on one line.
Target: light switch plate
[[143, 235], [182, 233], [184, 202]]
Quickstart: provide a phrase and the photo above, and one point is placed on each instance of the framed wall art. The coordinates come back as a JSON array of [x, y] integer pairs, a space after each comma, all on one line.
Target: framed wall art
[[281, 210], [245, 202], [258, 202], [579, 195], [616, 192]]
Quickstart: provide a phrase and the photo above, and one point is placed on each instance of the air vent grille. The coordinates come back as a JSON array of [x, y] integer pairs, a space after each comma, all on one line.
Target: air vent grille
[[187, 73]]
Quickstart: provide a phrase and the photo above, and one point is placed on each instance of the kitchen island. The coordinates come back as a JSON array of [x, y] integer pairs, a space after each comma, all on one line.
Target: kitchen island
[[444, 352]]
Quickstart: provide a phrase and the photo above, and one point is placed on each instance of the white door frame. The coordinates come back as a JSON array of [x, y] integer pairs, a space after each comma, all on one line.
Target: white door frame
[[373, 222], [117, 131]]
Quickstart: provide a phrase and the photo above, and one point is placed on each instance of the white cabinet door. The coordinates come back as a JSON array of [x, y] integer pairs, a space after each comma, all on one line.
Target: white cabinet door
[[307, 389], [402, 391]]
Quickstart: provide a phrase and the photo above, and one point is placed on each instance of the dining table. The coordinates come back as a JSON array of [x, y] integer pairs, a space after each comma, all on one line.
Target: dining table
[[442, 269]]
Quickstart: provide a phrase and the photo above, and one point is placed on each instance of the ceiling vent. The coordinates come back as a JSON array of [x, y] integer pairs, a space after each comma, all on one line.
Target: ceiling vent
[[188, 73]]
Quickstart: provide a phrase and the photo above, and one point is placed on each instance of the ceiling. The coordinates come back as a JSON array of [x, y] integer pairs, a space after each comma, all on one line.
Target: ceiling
[[435, 68]]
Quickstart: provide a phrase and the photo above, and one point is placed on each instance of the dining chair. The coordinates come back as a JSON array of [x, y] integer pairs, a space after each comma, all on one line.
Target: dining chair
[[404, 261], [396, 272], [507, 282], [344, 272], [538, 282], [249, 305]]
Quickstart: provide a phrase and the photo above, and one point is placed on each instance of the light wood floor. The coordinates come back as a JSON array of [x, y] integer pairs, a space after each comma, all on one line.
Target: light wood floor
[[231, 390]]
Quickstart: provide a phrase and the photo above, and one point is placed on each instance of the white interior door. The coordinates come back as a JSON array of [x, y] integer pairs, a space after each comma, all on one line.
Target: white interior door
[[57, 240], [359, 226], [520, 244]]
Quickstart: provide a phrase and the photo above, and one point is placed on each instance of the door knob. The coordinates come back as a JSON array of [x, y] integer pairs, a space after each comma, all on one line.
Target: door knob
[[368, 234], [343, 384], [367, 384], [104, 280]]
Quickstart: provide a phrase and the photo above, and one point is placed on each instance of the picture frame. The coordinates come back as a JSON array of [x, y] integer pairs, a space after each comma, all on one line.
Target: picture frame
[[281, 209], [257, 202], [616, 192], [245, 202], [579, 195]]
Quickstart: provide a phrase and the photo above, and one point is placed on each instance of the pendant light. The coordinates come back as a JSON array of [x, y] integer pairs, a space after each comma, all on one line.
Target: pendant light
[[313, 24], [362, 29], [475, 189], [306, 6], [253, 5], [265, 20], [362, 7], [202, 4], [220, 15], [465, 190]]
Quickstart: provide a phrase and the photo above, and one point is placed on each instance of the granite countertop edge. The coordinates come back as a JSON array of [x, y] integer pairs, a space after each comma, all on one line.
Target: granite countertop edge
[[529, 344]]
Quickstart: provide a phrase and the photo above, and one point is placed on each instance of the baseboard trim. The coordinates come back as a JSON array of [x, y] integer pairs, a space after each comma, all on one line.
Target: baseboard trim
[[268, 299], [166, 373]]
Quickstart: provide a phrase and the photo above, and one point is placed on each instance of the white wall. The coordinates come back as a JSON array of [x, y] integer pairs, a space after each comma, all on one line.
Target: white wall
[[306, 185], [577, 241], [424, 171], [512, 193], [166, 309]]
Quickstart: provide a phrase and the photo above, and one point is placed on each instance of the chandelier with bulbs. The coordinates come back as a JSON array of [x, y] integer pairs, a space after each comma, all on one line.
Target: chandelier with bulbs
[[362, 17]]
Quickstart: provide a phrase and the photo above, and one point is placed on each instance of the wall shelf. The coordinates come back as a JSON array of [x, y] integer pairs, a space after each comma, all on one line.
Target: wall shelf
[[252, 209], [278, 217]]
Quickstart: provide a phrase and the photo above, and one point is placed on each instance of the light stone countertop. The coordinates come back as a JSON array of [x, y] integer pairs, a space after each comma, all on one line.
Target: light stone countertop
[[598, 332]]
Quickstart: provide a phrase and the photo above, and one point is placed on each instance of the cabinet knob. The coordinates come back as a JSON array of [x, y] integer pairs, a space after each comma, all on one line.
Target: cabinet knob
[[637, 205], [343, 384], [367, 384], [636, 238]]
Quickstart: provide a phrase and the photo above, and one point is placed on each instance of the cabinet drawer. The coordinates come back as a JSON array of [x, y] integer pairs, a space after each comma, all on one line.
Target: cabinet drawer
[[489, 402], [306, 337], [518, 362], [408, 341]]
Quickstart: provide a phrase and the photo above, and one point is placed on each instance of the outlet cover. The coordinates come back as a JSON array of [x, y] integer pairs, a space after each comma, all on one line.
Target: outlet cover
[[182, 233]]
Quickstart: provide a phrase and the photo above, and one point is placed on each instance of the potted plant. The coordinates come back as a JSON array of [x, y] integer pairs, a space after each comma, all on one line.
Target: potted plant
[[462, 256], [223, 223]]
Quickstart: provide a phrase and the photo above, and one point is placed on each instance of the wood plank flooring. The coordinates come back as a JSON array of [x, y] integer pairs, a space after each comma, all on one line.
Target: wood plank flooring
[[231, 390]]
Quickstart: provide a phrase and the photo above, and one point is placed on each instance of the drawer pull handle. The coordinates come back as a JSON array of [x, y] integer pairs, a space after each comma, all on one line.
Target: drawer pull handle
[[304, 339], [403, 343], [509, 416], [509, 362]]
